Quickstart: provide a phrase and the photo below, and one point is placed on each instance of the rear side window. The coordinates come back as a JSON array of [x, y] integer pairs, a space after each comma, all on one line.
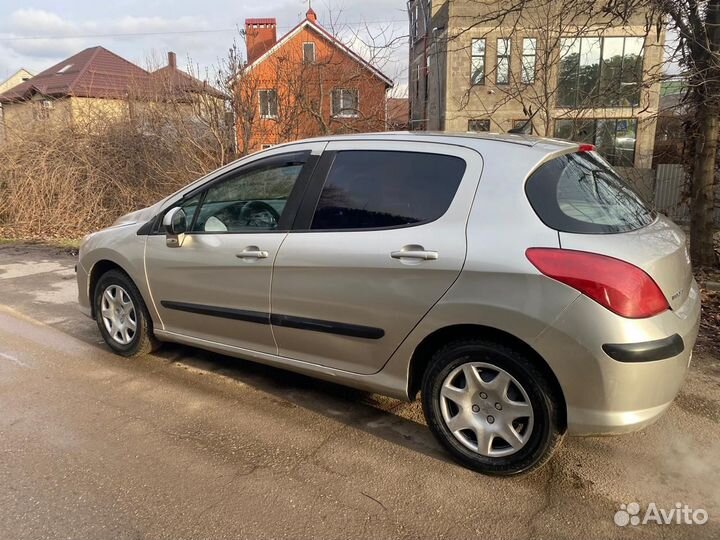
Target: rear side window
[[382, 189], [581, 193]]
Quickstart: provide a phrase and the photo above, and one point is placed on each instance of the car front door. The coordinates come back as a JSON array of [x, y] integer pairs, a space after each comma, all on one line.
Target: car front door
[[215, 285], [379, 238]]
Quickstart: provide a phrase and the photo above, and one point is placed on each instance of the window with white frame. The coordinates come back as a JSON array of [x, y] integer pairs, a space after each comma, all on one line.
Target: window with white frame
[[309, 52], [477, 52], [502, 72], [529, 55], [345, 102], [268, 103]]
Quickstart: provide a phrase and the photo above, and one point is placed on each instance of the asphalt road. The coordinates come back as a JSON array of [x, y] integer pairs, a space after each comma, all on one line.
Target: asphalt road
[[188, 444]]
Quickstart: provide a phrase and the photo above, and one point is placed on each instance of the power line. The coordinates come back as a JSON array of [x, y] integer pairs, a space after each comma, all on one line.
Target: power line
[[180, 32]]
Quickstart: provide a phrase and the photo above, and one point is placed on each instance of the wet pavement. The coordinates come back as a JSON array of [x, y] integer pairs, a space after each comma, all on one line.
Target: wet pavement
[[189, 444]]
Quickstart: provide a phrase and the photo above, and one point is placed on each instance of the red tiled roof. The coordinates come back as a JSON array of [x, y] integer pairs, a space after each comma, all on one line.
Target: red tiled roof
[[94, 72], [181, 82]]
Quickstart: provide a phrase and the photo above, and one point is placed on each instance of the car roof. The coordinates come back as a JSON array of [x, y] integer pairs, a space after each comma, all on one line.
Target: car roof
[[472, 140]]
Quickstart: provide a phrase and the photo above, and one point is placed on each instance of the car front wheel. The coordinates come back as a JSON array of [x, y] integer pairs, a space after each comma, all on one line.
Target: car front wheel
[[491, 407], [121, 315]]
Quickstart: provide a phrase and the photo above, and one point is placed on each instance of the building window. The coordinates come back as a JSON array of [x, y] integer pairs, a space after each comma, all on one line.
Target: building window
[[502, 74], [344, 103], [477, 51], [477, 124], [309, 52], [613, 138], [529, 55], [268, 103], [414, 21], [521, 123], [41, 109], [603, 72]]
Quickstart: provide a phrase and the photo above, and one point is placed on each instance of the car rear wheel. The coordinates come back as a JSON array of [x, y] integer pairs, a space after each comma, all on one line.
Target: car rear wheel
[[122, 316], [491, 407]]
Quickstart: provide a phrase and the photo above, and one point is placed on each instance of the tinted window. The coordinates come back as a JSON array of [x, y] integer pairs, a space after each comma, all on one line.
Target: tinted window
[[379, 189], [581, 193], [249, 201]]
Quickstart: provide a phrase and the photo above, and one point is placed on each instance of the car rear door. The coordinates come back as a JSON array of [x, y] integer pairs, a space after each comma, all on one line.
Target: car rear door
[[379, 238], [215, 285]]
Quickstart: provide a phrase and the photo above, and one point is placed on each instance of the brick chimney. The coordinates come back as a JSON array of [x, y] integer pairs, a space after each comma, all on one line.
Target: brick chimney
[[172, 60], [260, 36]]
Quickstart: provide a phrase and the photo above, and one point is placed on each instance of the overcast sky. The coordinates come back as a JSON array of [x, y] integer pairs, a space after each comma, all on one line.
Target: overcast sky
[[200, 30]]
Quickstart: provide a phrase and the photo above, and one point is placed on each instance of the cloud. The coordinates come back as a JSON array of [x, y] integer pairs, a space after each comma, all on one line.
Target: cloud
[[146, 39]]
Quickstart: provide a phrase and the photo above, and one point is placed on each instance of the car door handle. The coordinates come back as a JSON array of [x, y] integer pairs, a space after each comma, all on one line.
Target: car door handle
[[415, 252], [252, 252]]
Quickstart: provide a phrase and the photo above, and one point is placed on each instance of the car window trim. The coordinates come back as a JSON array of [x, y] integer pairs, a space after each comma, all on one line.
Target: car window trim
[[304, 218], [309, 164]]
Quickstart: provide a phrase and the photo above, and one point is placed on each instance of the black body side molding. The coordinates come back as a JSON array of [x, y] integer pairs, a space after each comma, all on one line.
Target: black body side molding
[[288, 321], [645, 351]]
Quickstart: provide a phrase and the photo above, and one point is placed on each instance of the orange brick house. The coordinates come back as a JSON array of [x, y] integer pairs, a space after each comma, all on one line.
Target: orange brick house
[[305, 84]]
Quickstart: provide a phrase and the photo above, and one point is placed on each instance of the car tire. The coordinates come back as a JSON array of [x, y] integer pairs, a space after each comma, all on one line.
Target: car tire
[[122, 316], [505, 385]]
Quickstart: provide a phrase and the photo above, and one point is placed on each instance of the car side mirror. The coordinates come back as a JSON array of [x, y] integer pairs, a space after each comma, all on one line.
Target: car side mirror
[[175, 225]]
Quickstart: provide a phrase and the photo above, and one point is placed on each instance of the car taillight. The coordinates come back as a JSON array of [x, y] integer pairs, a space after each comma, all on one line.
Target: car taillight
[[586, 148], [619, 286]]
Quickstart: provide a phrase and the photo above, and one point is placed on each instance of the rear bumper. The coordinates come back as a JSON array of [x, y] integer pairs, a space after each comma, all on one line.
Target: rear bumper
[[617, 374]]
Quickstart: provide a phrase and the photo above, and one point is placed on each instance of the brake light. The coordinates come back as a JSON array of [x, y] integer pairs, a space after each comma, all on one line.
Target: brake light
[[619, 286], [586, 148]]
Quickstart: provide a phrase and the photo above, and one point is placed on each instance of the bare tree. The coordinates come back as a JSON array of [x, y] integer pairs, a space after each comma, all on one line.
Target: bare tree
[[697, 23]]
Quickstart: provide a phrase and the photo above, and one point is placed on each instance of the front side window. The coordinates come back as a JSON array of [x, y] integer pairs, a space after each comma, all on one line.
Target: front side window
[[383, 189], [502, 73], [581, 193], [529, 57], [268, 103], [598, 71], [344, 103], [478, 124], [477, 72], [614, 138], [247, 202]]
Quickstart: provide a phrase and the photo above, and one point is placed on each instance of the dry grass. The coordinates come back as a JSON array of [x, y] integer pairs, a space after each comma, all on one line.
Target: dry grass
[[60, 181]]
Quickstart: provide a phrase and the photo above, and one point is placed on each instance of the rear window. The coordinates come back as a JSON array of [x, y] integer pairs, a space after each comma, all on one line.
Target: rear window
[[581, 193], [383, 189]]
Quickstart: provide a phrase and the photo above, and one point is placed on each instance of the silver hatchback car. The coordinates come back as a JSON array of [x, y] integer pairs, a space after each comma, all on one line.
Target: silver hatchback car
[[518, 283]]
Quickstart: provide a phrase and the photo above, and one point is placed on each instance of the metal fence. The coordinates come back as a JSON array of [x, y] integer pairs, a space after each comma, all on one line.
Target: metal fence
[[667, 188], [671, 192]]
